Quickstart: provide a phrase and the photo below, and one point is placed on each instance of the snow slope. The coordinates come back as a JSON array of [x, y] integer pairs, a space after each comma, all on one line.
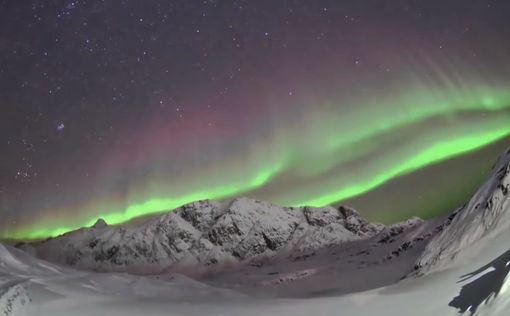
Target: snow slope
[[92, 294], [486, 214]]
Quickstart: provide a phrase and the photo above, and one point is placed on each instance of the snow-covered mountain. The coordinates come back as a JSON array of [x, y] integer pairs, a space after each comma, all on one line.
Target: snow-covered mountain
[[315, 253], [207, 233], [486, 214]]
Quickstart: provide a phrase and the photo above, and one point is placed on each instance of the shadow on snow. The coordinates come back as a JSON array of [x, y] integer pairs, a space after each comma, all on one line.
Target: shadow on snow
[[485, 287]]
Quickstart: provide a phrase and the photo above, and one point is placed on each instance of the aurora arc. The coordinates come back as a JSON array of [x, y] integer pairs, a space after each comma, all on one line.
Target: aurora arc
[[152, 206], [431, 152]]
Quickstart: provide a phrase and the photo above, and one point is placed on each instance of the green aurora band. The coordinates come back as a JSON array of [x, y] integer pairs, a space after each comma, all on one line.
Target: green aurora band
[[327, 142], [430, 155]]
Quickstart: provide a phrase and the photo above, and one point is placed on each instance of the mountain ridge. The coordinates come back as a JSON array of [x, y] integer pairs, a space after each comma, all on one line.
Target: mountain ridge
[[207, 233]]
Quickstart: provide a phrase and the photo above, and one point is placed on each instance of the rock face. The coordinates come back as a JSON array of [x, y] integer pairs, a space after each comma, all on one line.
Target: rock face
[[207, 233], [485, 214]]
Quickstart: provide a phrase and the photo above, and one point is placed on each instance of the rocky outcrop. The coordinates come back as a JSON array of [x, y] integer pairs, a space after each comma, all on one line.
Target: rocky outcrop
[[389, 234], [14, 298], [207, 233]]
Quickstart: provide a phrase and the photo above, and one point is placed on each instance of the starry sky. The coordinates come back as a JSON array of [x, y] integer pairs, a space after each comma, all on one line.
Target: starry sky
[[124, 108]]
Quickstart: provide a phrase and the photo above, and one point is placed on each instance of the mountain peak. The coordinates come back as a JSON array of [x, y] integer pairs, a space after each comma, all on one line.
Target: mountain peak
[[100, 223]]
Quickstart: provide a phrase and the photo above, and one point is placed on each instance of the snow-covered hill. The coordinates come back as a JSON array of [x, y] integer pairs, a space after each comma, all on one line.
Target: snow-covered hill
[[16, 269], [485, 215]]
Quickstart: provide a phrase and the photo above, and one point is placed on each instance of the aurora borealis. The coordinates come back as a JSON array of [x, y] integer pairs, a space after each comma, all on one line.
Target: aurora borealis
[[119, 110]]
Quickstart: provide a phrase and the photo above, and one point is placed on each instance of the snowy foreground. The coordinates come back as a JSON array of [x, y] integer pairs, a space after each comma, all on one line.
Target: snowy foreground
[[456, 264]]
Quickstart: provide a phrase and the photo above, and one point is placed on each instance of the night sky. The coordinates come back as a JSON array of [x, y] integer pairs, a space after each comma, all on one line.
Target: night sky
[[117, 109]]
